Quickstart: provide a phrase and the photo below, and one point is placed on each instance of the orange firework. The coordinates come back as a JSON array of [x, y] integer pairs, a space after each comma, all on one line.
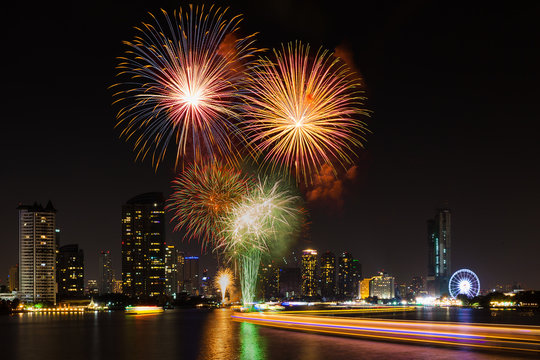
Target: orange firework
[[304, 111], [181, 83]]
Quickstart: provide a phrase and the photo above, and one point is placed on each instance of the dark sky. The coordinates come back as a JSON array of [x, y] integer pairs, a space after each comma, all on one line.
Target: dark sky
[[454, 90]]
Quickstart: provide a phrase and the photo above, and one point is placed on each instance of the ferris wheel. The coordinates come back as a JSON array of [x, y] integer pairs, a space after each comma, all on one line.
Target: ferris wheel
[[464, 282]]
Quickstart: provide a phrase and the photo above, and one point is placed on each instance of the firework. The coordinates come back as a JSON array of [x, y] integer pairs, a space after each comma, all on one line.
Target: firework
[[202, 196], [304, 111], [268, 215], [224, 279], [180, 82]]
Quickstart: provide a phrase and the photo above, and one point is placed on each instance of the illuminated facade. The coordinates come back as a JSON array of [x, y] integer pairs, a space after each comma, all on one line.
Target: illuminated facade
[[171, 270], [180, 271], [92, 287], [328, 275], [364, 288], [268, 281], [382, 286], [70, 271], [348, 276], [143, 246], [439, 252], [37, 252], [106, 274], [309, 272]]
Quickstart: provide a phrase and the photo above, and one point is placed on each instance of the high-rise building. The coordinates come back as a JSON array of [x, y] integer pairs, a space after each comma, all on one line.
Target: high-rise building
[[365, 286], [191, 275], [439, 252], [309, 272], [382, 286], [328, 275], [180, 272], [37, 252], [116, 286], [206, 284], [143, 246], [171, 270], [290, 280], [106, 272], [13, 278], [269, 281], [356, 276], [70, 271], [417, 285], [92, 287], [347, 278]]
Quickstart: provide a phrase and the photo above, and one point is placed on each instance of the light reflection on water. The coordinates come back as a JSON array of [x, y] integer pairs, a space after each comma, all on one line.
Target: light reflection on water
[[190, 334]]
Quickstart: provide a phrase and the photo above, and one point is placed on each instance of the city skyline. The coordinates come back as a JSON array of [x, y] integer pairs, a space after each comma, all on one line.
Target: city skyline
[[437, 136]]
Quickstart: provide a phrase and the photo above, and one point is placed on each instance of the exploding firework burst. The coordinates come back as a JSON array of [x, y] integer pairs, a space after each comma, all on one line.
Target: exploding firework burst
[[269, 214], [304, 111], [202, 196], [224, 279], [181, 83]]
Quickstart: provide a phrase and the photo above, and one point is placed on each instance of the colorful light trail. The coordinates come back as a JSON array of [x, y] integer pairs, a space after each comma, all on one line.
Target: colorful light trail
[[481, 336]]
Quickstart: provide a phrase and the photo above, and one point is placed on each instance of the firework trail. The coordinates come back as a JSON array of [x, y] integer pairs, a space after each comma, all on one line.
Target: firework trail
[[267, 216], [180, 83], [202, 196], [303, 111], [224, 279]]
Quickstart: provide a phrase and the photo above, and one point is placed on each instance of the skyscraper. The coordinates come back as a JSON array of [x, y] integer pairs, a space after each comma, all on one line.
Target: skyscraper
[[180, 271], [328, 275], [70, 271], [171, 270], [37, 252], [269, 280], [346, 277], [143, 246], [191, 275], [309, 272], [106, 275], [289, 282], [439, 252], [356, 277]]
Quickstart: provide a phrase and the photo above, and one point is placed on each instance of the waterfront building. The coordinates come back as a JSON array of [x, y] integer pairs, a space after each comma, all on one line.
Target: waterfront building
[[269, 281], [356, 276], [347, 279], [417, 285], [13, 278], [439, 252], [37, 252], [206, 284], [191, 275], [106, 272], [116, 286], [171, 270], [92, 287], [70, 271], [289, 282], [309, 272], [143, 246], [328, 275], [180, 271], [382, 286], [364, 290]]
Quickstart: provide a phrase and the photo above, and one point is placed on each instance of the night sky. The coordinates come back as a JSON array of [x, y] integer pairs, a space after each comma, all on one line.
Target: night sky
[[454, 93]]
